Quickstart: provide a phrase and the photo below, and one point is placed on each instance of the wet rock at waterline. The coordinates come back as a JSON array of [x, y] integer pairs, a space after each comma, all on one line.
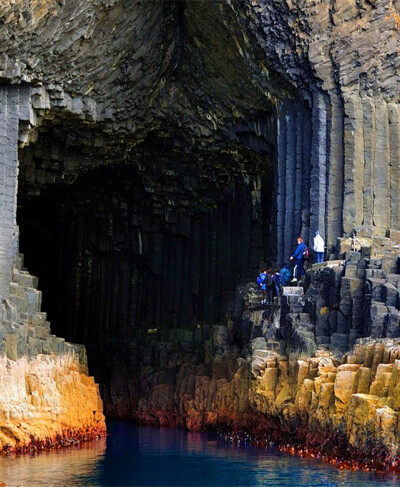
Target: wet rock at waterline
[[154, 155]]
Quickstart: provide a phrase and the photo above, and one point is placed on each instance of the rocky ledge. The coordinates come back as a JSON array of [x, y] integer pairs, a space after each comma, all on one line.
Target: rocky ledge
[[319, 376], [47, 402], [345, 412], [47, 398]]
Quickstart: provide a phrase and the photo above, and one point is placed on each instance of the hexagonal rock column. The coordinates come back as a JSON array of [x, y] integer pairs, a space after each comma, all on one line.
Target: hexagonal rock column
[[14, 107]]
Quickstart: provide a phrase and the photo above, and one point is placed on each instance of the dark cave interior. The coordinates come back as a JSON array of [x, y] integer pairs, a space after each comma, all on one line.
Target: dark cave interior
[[149, 219], [154, 239]]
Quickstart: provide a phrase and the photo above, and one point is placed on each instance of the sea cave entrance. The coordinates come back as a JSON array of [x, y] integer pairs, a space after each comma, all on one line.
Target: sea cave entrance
[[149, 240]]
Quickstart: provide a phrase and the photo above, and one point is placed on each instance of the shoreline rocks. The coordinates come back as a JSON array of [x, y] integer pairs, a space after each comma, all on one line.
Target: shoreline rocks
[[47, 401]]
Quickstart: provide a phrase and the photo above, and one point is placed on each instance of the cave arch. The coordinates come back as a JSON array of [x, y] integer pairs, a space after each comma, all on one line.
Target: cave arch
[[199, 186]]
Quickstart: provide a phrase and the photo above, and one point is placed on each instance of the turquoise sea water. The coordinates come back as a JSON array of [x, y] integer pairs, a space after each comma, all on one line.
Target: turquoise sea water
[[133, 456]]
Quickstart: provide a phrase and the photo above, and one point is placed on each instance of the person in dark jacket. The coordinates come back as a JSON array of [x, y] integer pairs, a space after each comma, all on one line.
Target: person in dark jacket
[[270, 285], [276, 280], [298, 257]]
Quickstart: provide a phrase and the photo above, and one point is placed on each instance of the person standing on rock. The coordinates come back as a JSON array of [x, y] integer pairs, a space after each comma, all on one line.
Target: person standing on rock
[[276, 280], [319, 247], [262, 282], [270, 286], [298, 257]]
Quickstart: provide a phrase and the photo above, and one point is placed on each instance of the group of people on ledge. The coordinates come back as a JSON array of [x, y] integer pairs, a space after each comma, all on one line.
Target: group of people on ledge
[[271, 279]]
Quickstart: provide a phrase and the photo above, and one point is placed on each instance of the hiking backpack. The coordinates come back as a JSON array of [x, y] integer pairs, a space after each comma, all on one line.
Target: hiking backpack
[[261, 279], [306, 253], [285, 276]]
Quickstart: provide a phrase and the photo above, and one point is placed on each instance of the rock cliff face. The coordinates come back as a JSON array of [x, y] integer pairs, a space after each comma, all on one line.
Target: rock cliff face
[[157, 152], [282, 375], [46, 395], [343, 410], [47, 401]]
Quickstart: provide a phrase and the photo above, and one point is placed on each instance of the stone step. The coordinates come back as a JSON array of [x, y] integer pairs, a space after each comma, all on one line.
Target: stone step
[[18, 301], [24, 317], [30, 299], [19, 262], [293, 291], [39, 319], [374, 273], [49, 344], [42, 331], [24, 279]]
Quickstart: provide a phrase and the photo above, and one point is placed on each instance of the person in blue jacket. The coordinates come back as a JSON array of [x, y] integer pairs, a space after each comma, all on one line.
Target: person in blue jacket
[[298, 257]]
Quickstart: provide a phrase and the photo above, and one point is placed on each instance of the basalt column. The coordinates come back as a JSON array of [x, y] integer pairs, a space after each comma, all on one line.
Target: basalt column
[[293, 176], [14, 107], [310, 171], [121, 252], [371, 150]]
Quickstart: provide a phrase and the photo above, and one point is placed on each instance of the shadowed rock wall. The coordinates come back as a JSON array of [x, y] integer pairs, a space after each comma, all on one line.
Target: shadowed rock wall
[[311, 89], [129, 249]]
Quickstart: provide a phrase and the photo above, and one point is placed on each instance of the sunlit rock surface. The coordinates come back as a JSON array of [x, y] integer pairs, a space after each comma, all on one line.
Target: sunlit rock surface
[[351, 405], [45, 397]]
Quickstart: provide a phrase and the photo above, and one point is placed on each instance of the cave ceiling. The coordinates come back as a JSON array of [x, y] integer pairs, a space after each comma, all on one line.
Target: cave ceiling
[[185, 71]]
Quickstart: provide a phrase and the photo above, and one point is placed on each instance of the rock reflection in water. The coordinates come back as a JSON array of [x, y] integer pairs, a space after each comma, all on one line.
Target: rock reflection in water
[[67, 467], [149, 456]]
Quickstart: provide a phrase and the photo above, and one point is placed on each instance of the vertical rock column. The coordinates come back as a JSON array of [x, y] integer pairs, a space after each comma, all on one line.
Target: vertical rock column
[[394, 138], [371, 170], [14, 105], [318, 163], [281, 177], [293, 176], [292, 185], [382, 169], [354, 165], [369, 135], [334, 194]]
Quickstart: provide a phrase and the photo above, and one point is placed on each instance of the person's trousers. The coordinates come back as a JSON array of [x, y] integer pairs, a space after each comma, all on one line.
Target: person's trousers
[[299, 269], [319, 257], [270, 294]]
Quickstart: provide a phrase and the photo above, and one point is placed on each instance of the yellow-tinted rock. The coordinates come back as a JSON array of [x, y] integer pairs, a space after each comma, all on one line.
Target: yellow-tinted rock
[[386, 424], [268, 381], [345, 387], [364, 377], [361, 419], [380, 386], [46, 396]]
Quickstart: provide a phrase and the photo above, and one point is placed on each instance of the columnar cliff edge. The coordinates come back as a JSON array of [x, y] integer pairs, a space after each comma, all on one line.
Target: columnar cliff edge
[[47, 402], [345, 412], [289, 385], [47, 398]]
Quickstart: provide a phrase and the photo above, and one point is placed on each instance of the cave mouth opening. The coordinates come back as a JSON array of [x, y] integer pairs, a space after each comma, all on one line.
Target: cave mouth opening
[[148, 244]]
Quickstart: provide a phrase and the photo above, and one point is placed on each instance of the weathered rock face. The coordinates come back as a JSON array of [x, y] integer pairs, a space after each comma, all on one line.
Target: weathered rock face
[[44, 397], [183, 142], [348, 408]]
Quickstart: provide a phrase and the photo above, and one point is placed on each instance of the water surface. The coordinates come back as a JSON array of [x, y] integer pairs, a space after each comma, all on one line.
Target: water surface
[[134, 456]]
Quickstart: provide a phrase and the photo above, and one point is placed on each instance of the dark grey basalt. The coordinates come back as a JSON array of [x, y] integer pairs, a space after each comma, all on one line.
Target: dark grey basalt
[[166, 149]]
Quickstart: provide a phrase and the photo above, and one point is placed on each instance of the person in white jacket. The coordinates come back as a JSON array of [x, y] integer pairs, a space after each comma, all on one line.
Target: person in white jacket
[[319, 247]]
